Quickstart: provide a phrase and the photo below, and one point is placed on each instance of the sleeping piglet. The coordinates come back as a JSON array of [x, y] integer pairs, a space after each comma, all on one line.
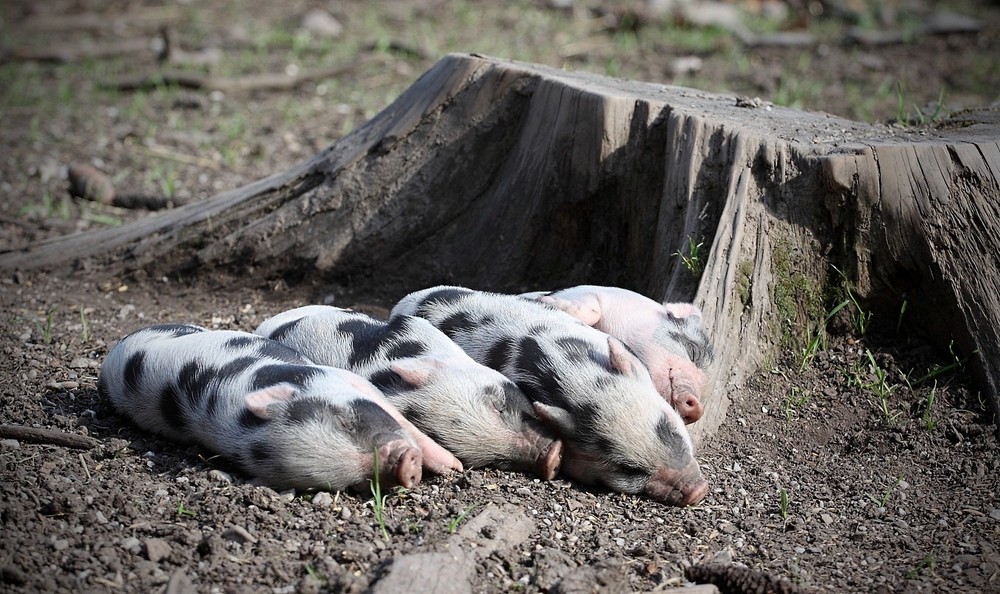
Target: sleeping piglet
[[266, 408], [667, 337], [474, 411]]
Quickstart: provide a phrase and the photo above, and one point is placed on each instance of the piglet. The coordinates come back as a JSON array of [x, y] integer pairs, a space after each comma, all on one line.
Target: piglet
[[265, 407], [470, 409], [617, 431], [667, 338]]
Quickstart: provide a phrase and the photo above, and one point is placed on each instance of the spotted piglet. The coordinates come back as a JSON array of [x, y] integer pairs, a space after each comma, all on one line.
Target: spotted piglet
[[668, 338], [265, 407], [473, 411], [617, 431]]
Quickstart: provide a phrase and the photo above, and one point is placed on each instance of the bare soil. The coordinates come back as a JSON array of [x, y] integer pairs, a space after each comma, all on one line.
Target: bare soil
[[866, 467]]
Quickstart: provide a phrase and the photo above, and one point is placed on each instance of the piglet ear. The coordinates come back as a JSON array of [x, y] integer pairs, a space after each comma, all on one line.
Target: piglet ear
[[416, 371], [558, 418], [683, 310], [262, 402], [622, 360]]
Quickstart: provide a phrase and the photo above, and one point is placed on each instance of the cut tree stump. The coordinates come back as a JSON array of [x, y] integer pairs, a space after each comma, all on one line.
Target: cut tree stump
[[502, 175]]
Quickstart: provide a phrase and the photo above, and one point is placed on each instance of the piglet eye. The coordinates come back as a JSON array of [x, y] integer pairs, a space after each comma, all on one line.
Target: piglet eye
[[631, 470]]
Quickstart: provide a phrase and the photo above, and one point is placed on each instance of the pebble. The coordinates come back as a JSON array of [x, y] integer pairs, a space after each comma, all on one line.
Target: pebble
[[239, 534], [10, 444], [827, 518], [157, 549], [525, 491], [99, 516], [322, 499], [131, 544], [345, 513], [322, 23], [219, 476], [60, 545], [84, 363], [288, 495]]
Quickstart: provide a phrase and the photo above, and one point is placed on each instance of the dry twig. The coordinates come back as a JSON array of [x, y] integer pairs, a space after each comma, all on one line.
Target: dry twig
[[48, 436]]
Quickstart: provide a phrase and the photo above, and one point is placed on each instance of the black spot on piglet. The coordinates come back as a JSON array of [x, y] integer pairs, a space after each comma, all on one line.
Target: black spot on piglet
[[388, 381], [176, 330], [371, 419], [194, 380], [171, 409], [405, 349], [535, 363], [673, 443], [304, 410], [281, 331], [281, 373], [456, 322], [239, 342], [134, 370], [276, 350], [499, 355], [441, 297]]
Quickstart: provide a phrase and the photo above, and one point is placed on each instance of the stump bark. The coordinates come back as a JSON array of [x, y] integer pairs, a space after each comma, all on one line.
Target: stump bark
[[509, 176]]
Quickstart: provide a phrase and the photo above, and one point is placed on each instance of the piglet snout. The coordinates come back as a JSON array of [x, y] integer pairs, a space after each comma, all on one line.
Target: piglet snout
[[549, 461], [680, 487], [400, 463], [688, 406]]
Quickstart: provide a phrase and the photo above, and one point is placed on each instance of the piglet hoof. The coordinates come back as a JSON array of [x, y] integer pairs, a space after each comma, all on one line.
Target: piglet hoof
[[548, 462], [400, 464]]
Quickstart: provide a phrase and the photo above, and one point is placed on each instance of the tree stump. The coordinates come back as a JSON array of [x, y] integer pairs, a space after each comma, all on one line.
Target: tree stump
[[509, 176]]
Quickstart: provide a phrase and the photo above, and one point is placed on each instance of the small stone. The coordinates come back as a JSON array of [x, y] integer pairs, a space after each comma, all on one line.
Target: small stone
[[157, 549], [287, 496], [322, 23], [84, 363], [322, 499], [827, 518], [10, 444], [99, 516], [218, 476], [239, 534], [525, 491], [130, 544], [60, 545]]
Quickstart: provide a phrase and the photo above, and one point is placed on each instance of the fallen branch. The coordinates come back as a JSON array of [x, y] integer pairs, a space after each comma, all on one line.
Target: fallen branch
[[254, 82], [48, 436], [152, 16], [79, 52]]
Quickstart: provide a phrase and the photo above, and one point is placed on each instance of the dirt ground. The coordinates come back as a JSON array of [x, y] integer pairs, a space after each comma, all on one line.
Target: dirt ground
[[868, 466]]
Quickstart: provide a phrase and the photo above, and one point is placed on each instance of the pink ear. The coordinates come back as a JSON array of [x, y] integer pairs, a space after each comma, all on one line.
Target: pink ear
[[621, 359], [259, 401], [417, 371], [682, 310], [557, 418]]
